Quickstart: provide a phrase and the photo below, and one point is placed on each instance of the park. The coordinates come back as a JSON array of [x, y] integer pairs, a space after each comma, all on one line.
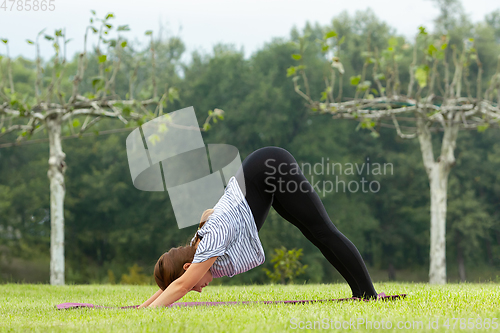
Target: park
[[343, 177]]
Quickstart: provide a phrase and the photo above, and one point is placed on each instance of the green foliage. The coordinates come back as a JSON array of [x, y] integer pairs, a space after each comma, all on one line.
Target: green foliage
[[365, 85], [123, 28], [111, 277], [110, 222], [173, 94], [330, 34], [135, 276], [287, 265], [422, 74], [483, 127], [98, 83], [355, 80], [431, 50], [293, 70]]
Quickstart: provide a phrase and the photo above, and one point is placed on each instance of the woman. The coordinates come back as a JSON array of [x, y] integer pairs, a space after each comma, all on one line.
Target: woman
[[227, 241]]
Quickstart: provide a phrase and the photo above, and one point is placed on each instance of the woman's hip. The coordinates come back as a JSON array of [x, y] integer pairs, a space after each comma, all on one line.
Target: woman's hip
[[268, 161]]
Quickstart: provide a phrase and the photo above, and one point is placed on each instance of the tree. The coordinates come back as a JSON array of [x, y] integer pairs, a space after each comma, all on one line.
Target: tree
[[57, 102], [451, 15], [431, 108]]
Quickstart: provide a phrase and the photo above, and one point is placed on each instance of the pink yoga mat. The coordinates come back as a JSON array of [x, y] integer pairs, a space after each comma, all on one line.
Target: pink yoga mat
[[381, 296]]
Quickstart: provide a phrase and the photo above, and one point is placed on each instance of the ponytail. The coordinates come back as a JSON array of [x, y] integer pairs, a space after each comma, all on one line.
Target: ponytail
[[204, 217]]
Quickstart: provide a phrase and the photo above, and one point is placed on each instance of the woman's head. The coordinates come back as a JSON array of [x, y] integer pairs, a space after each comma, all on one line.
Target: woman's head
[[171, 265]]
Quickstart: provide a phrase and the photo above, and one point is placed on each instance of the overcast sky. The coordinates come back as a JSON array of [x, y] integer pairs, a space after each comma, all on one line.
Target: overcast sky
[[203, 23]]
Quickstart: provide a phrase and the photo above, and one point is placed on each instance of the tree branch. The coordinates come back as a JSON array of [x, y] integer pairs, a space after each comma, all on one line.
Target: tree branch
[[398, 129], [425, 138]]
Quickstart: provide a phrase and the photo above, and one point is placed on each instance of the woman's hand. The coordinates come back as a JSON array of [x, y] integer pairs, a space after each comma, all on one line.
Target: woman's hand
[[180, 287]]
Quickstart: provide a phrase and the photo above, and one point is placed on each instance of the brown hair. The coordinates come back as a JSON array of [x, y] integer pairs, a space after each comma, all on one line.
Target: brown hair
[[169, 266]]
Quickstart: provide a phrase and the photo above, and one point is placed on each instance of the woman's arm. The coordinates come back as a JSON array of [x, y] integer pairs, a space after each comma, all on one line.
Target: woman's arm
[[151, 299], [180, 287]]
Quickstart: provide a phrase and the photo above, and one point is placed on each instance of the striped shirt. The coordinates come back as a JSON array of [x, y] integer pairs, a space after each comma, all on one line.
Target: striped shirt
[[231, 235]]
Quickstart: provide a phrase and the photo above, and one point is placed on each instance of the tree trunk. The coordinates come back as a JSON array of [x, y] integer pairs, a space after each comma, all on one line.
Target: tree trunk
[[57, 167], [438, 172], [438, 184]]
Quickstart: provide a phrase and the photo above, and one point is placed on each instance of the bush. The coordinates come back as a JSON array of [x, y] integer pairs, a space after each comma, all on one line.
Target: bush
[[135, 276], [111, 277], [287, 265]]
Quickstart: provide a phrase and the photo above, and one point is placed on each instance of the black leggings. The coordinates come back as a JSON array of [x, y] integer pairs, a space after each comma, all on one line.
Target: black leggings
[[272, 177]]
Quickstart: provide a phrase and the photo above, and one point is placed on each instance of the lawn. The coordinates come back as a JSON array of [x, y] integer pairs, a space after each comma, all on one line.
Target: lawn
[[30, 307]]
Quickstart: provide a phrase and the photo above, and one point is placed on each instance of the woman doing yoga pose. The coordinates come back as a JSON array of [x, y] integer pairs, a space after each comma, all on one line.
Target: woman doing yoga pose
[[227, 241]]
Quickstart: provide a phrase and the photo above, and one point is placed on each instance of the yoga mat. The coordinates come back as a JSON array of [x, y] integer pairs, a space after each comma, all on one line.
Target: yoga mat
[[381, 296]]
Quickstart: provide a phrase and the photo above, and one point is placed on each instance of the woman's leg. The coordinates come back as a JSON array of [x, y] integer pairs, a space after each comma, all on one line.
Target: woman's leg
[[273, 177], [331, 257]]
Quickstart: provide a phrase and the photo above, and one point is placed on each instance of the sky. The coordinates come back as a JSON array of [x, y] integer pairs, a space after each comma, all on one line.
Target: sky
[[201, 23]]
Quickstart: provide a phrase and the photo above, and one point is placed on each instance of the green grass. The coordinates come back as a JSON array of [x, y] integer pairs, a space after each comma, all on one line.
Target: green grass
[[30, 307]]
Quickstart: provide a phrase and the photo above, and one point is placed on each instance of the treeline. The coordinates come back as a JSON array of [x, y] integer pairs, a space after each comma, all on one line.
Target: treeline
[[110, 225]]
